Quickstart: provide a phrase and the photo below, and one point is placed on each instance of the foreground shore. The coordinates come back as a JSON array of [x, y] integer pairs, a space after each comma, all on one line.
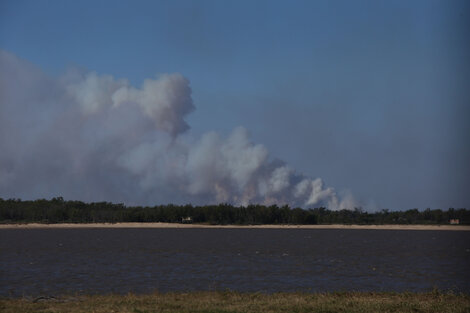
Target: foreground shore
[[177, 225], [245, 302]]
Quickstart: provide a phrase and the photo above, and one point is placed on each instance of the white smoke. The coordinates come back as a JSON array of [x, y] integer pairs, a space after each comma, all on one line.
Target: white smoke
[[91, 137]]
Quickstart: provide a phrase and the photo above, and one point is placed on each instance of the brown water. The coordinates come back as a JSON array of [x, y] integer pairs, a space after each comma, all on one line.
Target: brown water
[[64, 261]]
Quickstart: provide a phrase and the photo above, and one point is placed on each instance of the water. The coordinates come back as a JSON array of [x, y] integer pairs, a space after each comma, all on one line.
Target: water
[[71, 261]]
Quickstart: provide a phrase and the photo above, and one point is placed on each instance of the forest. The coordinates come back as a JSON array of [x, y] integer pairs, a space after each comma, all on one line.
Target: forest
[[58, 210]]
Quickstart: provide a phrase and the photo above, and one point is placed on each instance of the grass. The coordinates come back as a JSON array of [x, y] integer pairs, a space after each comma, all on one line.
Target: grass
[[230, 301]]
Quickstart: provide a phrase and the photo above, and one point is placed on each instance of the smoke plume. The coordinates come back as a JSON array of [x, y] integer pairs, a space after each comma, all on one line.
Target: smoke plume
[[93, 137]]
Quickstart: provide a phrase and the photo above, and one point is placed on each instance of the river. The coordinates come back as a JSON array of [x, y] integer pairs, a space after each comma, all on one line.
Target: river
[[89, 261]]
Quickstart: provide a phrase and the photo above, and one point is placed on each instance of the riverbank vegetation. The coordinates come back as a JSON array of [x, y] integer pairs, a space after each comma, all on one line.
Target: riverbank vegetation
[[57, 210], [245, 302]]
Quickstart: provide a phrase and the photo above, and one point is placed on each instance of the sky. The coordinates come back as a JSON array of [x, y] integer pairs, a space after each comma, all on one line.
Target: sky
[[311, 103]]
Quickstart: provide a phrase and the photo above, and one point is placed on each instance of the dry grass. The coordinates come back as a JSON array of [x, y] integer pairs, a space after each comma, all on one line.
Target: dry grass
[[245, 302]]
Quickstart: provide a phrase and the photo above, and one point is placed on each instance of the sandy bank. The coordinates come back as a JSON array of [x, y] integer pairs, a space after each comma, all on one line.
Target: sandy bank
[[176, 225]]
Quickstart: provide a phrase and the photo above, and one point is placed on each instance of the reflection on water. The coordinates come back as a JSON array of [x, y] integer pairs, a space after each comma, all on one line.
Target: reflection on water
[[58, 261]]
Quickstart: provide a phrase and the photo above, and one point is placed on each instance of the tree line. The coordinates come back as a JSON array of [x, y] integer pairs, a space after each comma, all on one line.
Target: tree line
[[57, 210]]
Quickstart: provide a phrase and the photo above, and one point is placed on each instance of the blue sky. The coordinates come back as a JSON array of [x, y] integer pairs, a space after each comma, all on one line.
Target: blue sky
[[372, 96]]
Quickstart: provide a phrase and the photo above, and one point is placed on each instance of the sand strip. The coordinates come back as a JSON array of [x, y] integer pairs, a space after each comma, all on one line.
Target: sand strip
[[177, 225]]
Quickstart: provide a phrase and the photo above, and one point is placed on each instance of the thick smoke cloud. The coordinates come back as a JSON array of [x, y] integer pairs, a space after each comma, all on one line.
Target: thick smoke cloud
[[91, 137]]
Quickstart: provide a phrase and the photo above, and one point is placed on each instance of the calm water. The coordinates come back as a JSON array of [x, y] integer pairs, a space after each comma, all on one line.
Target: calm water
[[59, 261]]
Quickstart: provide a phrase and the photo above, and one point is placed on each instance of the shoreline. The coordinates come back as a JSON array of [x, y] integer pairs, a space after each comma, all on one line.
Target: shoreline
[[177, 225]]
